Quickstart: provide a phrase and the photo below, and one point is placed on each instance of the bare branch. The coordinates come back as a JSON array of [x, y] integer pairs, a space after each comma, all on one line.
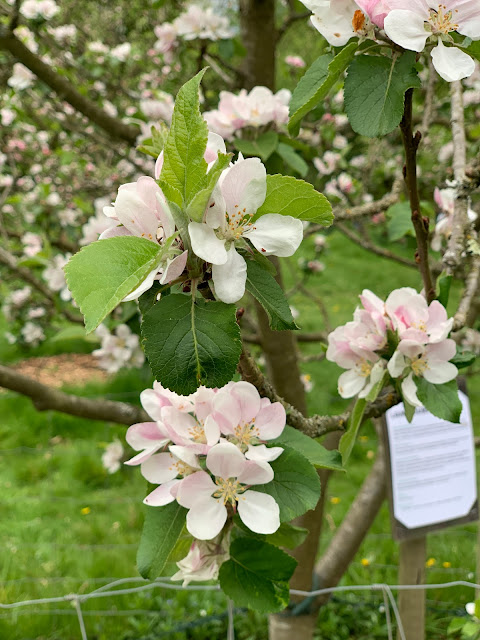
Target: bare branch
[[45, 398], [420, 223], [472, 284], [369, 246], [316, 425]]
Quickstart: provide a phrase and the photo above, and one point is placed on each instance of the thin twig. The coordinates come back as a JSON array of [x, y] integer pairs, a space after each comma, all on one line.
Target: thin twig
[[420, 223]]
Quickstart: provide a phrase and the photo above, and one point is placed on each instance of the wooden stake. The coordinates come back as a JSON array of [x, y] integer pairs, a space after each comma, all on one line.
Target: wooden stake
[[412, 602]]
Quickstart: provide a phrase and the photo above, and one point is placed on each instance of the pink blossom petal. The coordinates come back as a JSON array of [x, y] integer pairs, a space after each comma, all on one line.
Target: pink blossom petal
[[159, 468], [245, 187], [162, 495], [224, 460], [256, 472], [271, 421], [174, 268], [144, 435], [259, 512], [206, 519], [115, 232], [227, 411], [194, 488], [248, 399]]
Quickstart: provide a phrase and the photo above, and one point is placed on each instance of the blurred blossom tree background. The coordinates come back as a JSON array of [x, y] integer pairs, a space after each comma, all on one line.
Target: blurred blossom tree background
[[88, 91]]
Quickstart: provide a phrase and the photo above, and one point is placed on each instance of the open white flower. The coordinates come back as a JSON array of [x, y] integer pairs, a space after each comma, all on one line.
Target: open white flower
[[229, 220], [410, 23]]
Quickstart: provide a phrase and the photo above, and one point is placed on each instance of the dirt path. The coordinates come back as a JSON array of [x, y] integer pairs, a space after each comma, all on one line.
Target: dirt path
[[67, 368]]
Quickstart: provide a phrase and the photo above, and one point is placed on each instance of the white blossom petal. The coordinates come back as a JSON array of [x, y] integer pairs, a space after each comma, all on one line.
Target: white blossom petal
[[230, 278], [205, 243], [350, 383], [274, 234], [409, 391], [259, 512], [206, 519], [407, 28], [452, 63]]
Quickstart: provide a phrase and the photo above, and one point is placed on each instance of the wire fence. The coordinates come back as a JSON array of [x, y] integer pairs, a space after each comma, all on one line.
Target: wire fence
[[116, 588]]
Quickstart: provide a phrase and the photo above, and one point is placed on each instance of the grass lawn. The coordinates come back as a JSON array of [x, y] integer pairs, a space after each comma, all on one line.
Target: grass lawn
[[67, 526]]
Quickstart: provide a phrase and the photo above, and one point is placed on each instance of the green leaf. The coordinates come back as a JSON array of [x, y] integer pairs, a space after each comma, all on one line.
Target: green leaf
[[463, 359], [199, 202], [444, 282], [291, 197], [191, 342], [456, 624], [316, 83], [295, 486], [399, 222], [409, 410], [154, 146], [184, 168], [263, 286], [292, 159], [161, 530], [374, 92], [74, 333], [263, 146], [348, 439], [288, 535], [375, 390], [149, 298], [313, 451], [257, 575], [440, 399], [101, 274]]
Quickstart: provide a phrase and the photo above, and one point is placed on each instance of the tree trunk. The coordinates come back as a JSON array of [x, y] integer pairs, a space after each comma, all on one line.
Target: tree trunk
[[259, 36]]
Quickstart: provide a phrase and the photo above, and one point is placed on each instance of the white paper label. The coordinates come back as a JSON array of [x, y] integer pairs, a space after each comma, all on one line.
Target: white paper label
[[432, 465]]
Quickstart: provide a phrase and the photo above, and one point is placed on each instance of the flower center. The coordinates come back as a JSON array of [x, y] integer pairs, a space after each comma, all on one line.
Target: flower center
[[244, 433], [419, 366], [442, 20], [364, 369], [183, 469], [228, 490], [238, 223], [197, 433]]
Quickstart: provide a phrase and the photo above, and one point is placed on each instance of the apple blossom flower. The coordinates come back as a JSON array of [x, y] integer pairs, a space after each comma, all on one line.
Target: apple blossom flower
[[414, 319], [445, 200], [411, 23], [197, 22], [236, 198], [160, 108], [249, 420], [143, 211], [203, 560], [164, 469], [32, 334], [63, 33], [22, 77], [334, 19], [209, 502], [167, 37], [55, 276], [429, 361], [45, 9], [32, 244], [121, 52], [120, 349], [327, 164], [376, 10], [295, 61], [36, 312], [112, 456]]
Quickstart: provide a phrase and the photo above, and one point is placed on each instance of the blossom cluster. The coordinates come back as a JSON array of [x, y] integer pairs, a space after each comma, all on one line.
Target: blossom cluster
[[403, 335], [119, 349], [412, 24], [195, 22], [206, 451], [228, 224], [445, 200], [256, 108]]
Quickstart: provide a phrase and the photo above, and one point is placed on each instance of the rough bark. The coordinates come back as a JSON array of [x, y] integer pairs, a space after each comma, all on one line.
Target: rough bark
[[259, 37], [45, 398]]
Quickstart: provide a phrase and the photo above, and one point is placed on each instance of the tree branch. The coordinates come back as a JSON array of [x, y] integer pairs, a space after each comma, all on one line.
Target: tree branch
[[472, 285], [452, 257], [113, 126], [420, 223], [25, 274], [315, 426], [369, 246], [45, 398]]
